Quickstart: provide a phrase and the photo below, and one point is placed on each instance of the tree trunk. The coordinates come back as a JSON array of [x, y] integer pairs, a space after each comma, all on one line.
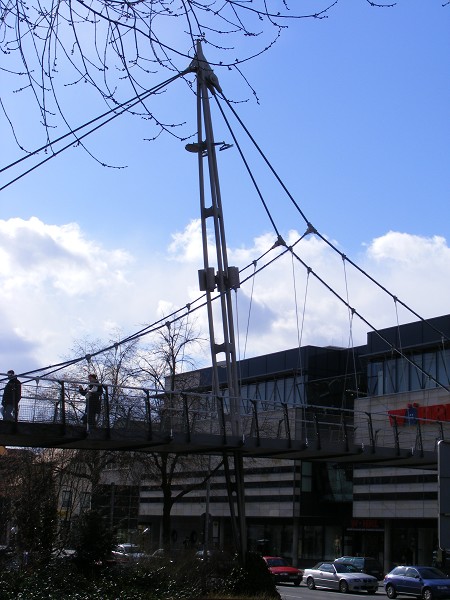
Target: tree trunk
[[166, 518]]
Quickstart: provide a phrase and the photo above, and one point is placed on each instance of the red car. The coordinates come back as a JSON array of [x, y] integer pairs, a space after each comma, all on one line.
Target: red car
[[282, 571]]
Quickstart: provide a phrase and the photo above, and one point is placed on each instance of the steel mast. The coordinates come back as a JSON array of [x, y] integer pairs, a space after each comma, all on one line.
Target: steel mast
[[224, 280]]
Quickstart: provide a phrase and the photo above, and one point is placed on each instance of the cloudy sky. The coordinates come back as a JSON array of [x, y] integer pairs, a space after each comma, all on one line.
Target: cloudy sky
[[352, 113]]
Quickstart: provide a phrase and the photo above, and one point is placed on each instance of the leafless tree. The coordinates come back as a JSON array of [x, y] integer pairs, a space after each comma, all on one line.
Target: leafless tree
[[169, 362], [117, 370], [120, 49], [29, 503], [169, 355], [171, 352]]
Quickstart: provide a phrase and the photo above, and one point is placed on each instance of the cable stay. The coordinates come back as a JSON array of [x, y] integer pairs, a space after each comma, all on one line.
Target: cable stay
[[202, 301], [353, 311], [250, 307], [248, 170], [350, 339], [175, 316], [112, 113], [310, 227]]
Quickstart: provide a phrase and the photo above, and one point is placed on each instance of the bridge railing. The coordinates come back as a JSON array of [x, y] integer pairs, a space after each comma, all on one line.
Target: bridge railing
[[191, 414], [382, 429], [60, 402]]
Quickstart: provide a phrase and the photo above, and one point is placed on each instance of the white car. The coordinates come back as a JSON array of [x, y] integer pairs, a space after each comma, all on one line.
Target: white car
[[339, 576], [126, 553]]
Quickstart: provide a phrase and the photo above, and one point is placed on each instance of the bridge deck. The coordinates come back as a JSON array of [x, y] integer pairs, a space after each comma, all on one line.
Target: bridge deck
[[50, 415], [44, 435]]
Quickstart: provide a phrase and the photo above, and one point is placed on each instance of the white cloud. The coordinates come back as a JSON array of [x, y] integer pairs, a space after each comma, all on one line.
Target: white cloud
[[186, 246], [57, 286], [60, 256], [415, 269]]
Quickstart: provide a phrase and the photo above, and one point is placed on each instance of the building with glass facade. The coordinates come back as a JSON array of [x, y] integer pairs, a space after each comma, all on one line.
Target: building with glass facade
[[293, 508], [306, 510]]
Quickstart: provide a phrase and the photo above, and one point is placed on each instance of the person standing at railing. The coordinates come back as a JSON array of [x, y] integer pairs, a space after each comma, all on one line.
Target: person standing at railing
[[11, 397], [93, 393]]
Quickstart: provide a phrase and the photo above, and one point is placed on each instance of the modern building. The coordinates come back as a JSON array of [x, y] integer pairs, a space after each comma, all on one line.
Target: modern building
[[307, 510], [396, 509], [286, 502]]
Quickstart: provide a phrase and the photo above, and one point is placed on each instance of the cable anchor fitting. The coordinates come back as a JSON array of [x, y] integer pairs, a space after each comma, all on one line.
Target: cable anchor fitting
[[280, 242], [310, 229], [201, 66]]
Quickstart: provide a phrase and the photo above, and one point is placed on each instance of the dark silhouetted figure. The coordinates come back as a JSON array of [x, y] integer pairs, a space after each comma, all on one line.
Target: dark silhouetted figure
[[93, 394], [11, 397]]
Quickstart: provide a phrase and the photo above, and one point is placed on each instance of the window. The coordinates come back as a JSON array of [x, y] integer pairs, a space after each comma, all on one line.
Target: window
[[270, 392], [289, 391], [402, 375], [416, 372], [306, 484], [85, 501], [390, 376], [66, 499], [411, 573], [443, 367], [312, 541], [429, 366], [375, 386]]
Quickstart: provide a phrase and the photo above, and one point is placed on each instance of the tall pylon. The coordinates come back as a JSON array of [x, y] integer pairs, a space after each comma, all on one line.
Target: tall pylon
[[218, 276]]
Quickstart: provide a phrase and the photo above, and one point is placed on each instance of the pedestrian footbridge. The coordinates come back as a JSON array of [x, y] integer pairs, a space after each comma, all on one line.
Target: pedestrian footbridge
[[51, 416]]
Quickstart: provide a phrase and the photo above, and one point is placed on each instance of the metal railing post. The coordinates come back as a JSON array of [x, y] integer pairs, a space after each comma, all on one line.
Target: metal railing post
[[371, 434], [62, 403], [255, 416], [286, 424], [419, 438], [396, 434], [186, 416], [317, 428], [149, 415], [222, 418], [107, 413], [345, 430]]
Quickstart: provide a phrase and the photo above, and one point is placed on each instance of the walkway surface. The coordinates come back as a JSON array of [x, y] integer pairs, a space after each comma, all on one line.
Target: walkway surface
[[52, 416]]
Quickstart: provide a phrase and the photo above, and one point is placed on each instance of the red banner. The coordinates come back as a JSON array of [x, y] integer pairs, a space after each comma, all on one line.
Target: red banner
[[413, 412]]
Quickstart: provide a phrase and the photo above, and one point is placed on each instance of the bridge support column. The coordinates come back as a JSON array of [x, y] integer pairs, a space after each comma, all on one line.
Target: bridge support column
[[236, 500], [220, 278]]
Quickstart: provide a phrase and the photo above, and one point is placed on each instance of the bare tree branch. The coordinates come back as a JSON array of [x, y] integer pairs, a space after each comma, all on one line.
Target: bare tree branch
[[117, 46]]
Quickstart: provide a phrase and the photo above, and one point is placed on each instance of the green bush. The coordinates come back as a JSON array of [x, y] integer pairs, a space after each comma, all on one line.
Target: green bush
[[187, 579], [254, 578]]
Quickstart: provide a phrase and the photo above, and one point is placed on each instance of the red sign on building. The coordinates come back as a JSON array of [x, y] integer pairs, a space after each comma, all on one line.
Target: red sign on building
[[414, 412]]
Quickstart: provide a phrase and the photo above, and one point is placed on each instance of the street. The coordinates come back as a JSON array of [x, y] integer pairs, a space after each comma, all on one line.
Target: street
[[290, 592]]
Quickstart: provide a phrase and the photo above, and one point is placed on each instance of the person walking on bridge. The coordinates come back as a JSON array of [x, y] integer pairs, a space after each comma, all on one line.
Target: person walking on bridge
[[93, 393], [12, 394]]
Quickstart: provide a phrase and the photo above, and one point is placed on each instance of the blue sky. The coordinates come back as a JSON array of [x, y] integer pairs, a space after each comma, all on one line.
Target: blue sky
[[352, 114]]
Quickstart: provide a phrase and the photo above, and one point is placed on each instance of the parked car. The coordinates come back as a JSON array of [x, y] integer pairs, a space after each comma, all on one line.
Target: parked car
[[161, 553], [340, 576], [63, 555], [203, 555], [365, 564], [423, 582], [282, 571], [128, 553]]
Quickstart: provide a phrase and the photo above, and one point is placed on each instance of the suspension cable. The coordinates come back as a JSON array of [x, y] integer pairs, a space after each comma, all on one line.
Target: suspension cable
[[314, 230], [126, 106]]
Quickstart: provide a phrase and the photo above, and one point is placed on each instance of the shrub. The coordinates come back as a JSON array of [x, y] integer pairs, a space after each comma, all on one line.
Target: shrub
[[187, 579]]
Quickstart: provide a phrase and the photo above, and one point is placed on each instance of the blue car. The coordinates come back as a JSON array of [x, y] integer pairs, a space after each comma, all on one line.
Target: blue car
[[424, 582]]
